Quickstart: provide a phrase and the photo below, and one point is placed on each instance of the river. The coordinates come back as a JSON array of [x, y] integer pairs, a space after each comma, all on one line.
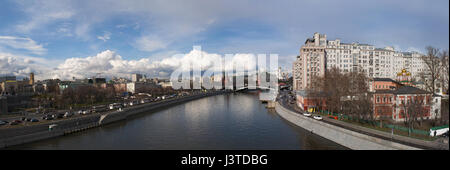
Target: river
[[230, 121]]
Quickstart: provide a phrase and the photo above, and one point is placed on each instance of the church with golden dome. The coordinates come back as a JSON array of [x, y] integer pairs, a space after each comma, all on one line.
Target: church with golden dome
[[404, 77]]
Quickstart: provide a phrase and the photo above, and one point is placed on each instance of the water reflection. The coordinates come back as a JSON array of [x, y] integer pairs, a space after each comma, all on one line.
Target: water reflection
[[234, 121]]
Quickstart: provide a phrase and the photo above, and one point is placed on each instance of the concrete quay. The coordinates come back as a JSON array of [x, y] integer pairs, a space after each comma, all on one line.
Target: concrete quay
[[342, 136]]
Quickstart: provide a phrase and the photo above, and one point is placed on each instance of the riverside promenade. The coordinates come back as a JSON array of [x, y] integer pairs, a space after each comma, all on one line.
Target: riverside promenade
[[30, 133], [342, 136], [284, 109]]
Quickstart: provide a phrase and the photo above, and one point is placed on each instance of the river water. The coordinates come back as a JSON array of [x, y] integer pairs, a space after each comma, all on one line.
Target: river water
[[230, 121]]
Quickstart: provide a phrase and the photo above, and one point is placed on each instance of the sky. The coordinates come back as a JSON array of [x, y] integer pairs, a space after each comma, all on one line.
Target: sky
[[64, 39]]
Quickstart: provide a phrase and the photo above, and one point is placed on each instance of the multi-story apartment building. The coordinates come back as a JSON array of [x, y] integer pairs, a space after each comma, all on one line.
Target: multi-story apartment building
[[310, 62], [319, 54]]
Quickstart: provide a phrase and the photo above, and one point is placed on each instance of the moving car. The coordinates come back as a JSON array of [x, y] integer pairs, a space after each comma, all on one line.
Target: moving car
[[317, 117], [132, 103], [100, 108], [47, 117], [85, 112], [15, 122], [68, 114], [114, 106]]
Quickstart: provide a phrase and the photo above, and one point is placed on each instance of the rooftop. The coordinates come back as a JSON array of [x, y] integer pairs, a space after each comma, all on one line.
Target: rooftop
[[404, 90], [384, 79], [410, 90]]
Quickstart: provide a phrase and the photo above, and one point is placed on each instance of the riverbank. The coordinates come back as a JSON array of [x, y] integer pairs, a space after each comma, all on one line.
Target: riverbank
[[342, 136], [32, 133]]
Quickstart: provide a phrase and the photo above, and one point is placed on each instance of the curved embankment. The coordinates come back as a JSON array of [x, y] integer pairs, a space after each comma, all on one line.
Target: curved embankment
[[26, 134], [344, 137]]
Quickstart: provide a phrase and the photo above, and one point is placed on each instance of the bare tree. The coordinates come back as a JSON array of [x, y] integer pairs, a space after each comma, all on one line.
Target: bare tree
[[413, 111], [431, 75], [444, 74]]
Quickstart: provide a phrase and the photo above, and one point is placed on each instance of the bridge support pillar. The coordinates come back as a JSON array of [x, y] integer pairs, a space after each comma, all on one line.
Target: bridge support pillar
[[271, 104]]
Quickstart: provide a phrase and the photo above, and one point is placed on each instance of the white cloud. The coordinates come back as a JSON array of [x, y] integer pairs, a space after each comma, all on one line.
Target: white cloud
[[106, 36], [44, 12], [111, 64], [150, 43], [22, 43], [21, 66]]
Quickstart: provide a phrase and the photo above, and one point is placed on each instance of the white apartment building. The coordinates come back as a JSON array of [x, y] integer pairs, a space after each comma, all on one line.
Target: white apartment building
[[375, 62]]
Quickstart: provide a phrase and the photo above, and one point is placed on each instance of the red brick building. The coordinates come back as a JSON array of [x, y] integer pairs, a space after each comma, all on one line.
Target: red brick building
[[307, 99], [389, 100], [384, 84], [393, 103]]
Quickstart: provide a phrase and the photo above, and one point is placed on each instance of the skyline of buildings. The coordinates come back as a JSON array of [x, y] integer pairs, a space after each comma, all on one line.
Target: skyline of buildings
[[319, 54]]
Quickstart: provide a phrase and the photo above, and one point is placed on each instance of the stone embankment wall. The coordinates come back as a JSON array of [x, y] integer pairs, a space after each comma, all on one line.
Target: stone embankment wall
[[344, 137]]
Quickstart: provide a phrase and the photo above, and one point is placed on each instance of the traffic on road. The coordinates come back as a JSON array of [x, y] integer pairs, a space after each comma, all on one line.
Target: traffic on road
[[129, 101]]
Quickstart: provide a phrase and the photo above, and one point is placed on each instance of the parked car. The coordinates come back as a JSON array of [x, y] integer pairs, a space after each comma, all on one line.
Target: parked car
[[445, 134], [28, 119], [34, 120], [3, 122], [317, 117], [307, 114], [23, 118]]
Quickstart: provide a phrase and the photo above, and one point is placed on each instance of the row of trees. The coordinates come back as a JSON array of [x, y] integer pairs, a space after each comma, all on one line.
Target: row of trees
[[156, 91], [77, 96], [348, 93], [83, 95], [345, 93], [413, 111]]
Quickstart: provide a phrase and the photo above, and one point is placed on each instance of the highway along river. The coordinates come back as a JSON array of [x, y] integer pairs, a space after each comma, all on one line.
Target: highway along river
[[230, 121]]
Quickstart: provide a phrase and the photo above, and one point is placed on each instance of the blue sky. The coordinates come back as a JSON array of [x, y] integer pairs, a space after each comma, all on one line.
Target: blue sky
[[42, 36]]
